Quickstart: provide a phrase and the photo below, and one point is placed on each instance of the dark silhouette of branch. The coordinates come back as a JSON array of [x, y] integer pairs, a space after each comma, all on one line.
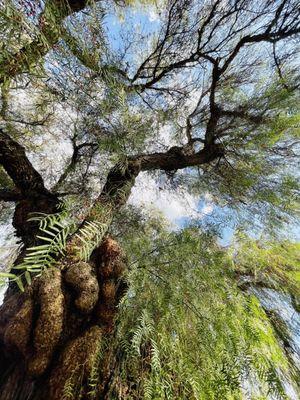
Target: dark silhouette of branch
[[74, 160], [243, 114], [120, 180], [272, 37], [278, 67], [15, 162], [33, 196], [10, 195]]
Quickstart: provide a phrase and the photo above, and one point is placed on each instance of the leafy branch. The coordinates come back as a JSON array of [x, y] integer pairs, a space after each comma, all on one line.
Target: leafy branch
[[54, 230]]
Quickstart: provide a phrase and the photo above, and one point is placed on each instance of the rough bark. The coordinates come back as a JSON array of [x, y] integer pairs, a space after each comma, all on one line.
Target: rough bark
[[51, 335], [18, 167], [10, 195], [30, 194]]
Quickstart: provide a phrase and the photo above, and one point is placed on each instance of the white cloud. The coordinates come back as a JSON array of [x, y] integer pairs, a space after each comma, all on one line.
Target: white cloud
[[173, 204], [207, 209], [153, 15]]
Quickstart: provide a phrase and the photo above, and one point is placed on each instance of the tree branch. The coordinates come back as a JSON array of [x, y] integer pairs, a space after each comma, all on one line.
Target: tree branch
[[74, 160], [18, 167], [10, 195], [243, 114], [50, 32], [272, 37], [33, 196], [120, 180], [214, 111]]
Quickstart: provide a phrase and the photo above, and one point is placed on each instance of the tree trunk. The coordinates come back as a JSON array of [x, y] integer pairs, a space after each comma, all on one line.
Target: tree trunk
[[52, 335]]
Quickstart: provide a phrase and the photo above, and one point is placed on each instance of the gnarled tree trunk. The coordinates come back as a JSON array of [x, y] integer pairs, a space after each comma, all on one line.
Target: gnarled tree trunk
[[52, 334]]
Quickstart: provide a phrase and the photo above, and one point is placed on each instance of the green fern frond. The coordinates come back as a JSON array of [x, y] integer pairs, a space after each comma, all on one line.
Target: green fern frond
[[155, 357], [93, 379], [54, 229], [90, 236], [69, 389], [143, 331], [148, 390]]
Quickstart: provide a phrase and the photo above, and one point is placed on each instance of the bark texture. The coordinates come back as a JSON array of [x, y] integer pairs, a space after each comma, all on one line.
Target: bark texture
[[52, 334], [30, 192]]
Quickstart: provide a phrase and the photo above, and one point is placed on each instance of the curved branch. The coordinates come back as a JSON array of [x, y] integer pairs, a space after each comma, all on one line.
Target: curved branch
[[18, 167], [272, 37], [120, 180], [74, 160]]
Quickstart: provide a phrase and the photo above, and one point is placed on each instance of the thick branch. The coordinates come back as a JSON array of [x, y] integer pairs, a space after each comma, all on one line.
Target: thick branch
[[32, 196], [243, 114], [10, 195], [120, 180], [18, 167], [214, 111], [177, 158]]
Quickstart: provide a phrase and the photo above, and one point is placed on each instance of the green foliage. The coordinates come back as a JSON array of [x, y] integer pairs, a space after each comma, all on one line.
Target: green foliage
[[273, 264], [257, 179], [90, 236], [186, 330], [93, 230], [69, 389], [99, 359], [54, 230], [13, 30]]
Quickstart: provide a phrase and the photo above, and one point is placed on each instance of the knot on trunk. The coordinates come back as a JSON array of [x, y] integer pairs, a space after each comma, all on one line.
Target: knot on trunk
[[17, 332], [75, 365], [49, 325], [82, 279], [59, 338], [109, 259], [110, 262]]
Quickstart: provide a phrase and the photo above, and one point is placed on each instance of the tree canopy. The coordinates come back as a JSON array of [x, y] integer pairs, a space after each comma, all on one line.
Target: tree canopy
[[201, 96]]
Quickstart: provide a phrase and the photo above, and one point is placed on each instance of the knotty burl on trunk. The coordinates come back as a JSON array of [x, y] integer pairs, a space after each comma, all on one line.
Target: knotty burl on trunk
[[51, 335]]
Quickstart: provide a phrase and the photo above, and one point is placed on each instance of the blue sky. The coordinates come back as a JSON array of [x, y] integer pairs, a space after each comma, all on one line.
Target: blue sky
[[146, 21]]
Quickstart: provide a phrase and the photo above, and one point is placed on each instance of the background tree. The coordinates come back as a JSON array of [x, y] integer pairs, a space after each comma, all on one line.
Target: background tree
[[206, 95]]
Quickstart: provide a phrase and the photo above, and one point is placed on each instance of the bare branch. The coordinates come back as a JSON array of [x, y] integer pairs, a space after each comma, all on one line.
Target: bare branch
[[74, 160]]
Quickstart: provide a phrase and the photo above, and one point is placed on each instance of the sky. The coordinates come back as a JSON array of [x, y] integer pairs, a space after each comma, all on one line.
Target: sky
[[180, 208]]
